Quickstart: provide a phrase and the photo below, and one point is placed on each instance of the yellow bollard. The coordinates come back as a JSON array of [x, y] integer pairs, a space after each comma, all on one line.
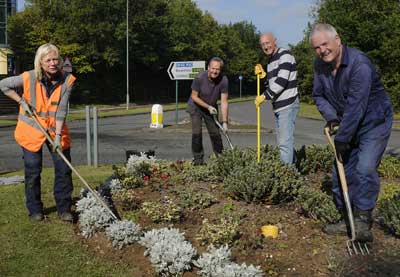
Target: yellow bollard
[[156, 116]]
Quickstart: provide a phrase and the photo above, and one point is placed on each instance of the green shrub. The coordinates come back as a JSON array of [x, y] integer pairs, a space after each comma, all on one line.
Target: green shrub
[[200, 173], [127, 199], [389, 207], [318, 205], [164, 211], [315, 158], [224, 232], [269, 180], [195, 199], [131, 182], [250, 183], [389, 167], [286, 182]]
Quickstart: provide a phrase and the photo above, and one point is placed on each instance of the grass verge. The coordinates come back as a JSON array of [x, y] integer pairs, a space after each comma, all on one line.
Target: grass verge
[[50, 247]]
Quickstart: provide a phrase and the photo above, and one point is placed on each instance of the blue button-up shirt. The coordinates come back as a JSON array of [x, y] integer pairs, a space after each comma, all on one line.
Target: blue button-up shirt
[[354, 96]]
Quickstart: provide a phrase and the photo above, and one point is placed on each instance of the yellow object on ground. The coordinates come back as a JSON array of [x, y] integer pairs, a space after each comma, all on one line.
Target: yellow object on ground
[[270, 231]]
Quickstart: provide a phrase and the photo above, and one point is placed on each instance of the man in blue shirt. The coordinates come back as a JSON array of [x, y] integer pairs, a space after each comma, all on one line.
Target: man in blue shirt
[[351, 98], [207, 88]]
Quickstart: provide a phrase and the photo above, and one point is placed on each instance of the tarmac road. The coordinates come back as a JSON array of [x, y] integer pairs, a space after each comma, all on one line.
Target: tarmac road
[[118, 134]]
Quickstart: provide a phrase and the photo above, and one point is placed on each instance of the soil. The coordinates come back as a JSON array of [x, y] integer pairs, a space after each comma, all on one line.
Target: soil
[[301, 248]]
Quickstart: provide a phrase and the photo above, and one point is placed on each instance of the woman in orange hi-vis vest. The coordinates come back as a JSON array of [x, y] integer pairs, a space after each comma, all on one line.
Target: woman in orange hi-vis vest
[[46, 90]]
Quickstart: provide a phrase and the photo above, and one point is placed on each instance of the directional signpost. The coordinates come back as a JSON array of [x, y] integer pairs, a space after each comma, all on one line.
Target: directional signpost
[[184, 71]]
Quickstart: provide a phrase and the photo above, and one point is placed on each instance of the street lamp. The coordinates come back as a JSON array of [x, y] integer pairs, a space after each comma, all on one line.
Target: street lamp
[[127, 54]]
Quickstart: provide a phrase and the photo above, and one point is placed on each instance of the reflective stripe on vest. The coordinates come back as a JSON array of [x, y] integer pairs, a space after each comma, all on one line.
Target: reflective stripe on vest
[[27, 133]]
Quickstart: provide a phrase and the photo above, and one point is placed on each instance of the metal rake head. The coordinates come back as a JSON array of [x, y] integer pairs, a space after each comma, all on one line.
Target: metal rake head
[[357, 247]]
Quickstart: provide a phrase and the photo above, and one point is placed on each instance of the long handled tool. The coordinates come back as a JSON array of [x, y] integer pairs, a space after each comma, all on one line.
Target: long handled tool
[[258, 122], [223, 131], [96, 196], [352, 244]]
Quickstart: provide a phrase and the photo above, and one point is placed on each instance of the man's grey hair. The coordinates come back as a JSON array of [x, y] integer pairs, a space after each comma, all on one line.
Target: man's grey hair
[[268, 34], [323, 27], [217, 59]]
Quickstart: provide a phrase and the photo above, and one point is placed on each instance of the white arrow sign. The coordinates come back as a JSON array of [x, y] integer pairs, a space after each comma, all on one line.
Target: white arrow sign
[[185, 70]]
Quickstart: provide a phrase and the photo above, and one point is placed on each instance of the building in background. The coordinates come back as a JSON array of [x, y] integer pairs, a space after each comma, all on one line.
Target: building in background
[[7, 61]]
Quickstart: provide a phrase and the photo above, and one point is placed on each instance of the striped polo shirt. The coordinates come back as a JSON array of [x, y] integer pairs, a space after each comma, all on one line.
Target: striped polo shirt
[[281, 80]]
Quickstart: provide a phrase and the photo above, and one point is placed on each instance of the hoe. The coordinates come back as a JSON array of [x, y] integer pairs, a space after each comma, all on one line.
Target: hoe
[[223, 131]]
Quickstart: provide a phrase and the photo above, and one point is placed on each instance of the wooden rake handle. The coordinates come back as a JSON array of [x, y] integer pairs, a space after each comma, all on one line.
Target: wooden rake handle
[[59, 151]]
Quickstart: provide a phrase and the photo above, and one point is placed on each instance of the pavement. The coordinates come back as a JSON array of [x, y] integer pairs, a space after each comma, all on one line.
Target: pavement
[[116, 135]]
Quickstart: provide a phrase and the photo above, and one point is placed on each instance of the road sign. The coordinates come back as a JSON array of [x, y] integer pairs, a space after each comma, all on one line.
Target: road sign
[[185, 70]]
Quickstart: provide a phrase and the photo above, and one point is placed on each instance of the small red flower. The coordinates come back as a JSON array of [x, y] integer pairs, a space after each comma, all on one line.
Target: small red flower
[[146, 178], [164, 176]]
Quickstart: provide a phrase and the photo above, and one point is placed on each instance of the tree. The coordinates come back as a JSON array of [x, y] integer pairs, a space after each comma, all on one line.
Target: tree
[[374, 28]]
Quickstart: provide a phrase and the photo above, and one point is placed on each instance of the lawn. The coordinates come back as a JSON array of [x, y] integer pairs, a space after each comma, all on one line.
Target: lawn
[[51, 247]]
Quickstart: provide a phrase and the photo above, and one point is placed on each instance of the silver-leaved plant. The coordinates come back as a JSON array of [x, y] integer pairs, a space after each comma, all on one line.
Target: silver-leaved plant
[[169, 253], [217, 263], [123, 232]]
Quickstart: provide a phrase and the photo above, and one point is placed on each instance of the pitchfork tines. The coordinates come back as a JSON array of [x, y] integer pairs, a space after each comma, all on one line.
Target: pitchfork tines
[[357, 247]]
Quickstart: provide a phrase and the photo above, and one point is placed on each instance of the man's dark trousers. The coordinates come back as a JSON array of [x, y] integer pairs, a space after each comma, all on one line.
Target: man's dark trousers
[[197, 118]]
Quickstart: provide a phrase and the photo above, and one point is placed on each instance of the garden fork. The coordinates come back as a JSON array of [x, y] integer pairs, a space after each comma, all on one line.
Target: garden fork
[[353, 246], [223, 131], [94, 193]]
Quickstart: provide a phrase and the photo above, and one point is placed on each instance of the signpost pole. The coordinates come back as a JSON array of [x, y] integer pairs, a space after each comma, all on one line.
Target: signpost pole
[[240, 86], [176, 103]]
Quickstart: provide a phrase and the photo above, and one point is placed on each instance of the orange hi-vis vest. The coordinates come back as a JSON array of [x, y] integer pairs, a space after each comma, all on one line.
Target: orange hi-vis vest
[[27, 133]]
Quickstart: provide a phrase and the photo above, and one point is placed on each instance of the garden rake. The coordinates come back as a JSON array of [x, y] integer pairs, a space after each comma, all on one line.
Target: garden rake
[[223, 131], [353, 246], [96, 196]]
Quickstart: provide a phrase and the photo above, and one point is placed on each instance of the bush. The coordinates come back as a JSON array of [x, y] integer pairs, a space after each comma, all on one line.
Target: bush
[[200, 173], [169, 253], [164, 211], [224, 232], [232, 159], [217, 263], [195, 199], [92, 216], [389, 208], [315, 158], [269, 180], [389, 167], [122, 233], [128, 200], [250, 183], [318, 205]]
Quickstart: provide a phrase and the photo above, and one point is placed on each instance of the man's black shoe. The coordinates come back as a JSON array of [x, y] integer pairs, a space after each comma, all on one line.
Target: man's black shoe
[[339, 228], [363, 225], [37, 217]]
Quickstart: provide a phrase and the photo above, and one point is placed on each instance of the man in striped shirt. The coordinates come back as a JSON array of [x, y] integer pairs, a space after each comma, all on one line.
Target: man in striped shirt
[[281, 89]]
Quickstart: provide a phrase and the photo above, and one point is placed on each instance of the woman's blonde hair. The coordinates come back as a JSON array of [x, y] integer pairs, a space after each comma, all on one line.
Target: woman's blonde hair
[[42, 51]]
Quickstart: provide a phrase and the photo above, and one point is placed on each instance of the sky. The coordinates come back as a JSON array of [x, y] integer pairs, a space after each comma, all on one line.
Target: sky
[[287, 19]]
